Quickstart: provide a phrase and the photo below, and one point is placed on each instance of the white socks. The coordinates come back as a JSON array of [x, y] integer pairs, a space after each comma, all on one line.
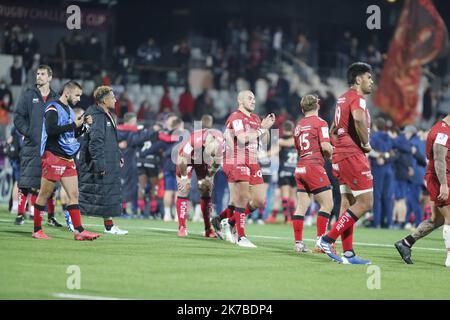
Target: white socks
[[446, 235]]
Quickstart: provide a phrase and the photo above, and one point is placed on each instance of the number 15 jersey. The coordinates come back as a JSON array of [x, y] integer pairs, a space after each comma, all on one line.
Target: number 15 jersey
[[309, 133]]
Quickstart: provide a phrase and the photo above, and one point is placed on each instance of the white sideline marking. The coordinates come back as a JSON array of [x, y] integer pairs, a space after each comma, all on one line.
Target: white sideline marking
[[266, 237], [83, 297]]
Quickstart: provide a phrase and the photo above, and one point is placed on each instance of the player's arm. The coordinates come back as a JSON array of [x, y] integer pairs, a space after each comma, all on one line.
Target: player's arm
[[325, 143], [440, 165], [182, 165], [359, 118], [333, 132], [244, 137], [52, 127]]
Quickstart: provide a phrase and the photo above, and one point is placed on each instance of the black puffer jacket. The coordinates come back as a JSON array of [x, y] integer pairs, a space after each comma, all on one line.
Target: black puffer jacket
[[28, 120], [100, 195]]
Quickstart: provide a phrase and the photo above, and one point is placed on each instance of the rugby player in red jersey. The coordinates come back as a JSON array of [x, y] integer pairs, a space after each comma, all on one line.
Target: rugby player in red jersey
[[350, 134], [437, 178], [241, 166], [201, 153], [312, 141]]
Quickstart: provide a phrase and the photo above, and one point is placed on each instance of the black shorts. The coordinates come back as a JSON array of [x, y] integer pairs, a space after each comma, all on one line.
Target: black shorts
[[286, 178], [149, 172]]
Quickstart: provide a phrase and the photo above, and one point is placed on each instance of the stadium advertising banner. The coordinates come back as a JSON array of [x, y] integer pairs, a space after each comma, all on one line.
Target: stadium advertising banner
[[92, 19], [419, 38]]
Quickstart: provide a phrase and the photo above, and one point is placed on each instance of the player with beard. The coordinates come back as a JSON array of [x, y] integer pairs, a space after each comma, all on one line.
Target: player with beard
[[58, 147]]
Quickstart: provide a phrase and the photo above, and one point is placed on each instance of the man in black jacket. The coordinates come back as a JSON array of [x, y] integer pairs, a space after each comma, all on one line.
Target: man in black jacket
[[99, 162], [28, 121]]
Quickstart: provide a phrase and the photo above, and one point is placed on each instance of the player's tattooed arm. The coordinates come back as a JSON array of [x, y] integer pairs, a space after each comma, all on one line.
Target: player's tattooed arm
[[440, 164], [333, 133], [182, 165]]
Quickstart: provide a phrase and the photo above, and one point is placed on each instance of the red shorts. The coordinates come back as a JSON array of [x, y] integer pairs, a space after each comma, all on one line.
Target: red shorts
[[433, 187], [312, 178], [245, 172], [228, 171], [354, 172], [54, 168], [201, 170]]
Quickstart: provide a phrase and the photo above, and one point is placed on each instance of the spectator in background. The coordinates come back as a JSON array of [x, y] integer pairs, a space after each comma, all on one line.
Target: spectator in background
[[302, 48], [219, 66], [373, 57], [148, 52], [383, 176], [13, 42], [62, 48], [17, 72], [203, 104], [182, 53], [146, 112], [30, 48], [355, 53], [443, 105], [6, 98], [123, 105], [121, 63], [186, 105], [93, 54], [419, 163], [166, 104], [277, 44]]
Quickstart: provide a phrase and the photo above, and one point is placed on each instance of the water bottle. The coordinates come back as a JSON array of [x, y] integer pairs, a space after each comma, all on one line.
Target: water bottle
[[68, 221]]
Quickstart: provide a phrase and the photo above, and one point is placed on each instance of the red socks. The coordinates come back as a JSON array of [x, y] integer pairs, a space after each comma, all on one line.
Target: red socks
[[347, 239], [38, 217], [322, 223], [74, 211], [182, 211], [227, 213], [205, 205], [22, 197], [345, 221], [239, 219], [297, 223], [249, 209]]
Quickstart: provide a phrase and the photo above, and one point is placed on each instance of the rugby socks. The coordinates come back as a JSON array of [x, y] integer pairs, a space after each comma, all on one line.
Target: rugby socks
[[239, 219], [345, 221], [51, 206], [347, 239], [227, 213], [205, 205], [297, 223], [108, 223], [409, 241], [446, 235], [249, 209], [38, 217], [322, 223], [34, 196], [285, 206], [22, 196], [74, 211], [182, 210]]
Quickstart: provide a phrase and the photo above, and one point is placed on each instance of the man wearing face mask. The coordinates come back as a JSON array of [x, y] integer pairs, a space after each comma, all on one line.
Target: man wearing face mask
[[99, 162], [58, 147]]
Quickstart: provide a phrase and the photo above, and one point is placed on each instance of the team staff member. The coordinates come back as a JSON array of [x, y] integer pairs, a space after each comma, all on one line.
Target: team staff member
[[99, 163], [28, 121]]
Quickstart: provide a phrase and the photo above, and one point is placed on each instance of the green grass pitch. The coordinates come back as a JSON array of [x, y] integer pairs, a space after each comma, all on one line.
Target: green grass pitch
[[152, 263]]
